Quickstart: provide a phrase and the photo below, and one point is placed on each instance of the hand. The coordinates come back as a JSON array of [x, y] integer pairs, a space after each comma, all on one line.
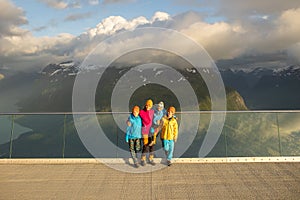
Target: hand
[[175, 140], [127, 139], [128, 123]]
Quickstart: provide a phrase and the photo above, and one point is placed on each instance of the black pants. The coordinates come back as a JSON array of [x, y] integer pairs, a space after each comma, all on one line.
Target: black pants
[[146, 147]]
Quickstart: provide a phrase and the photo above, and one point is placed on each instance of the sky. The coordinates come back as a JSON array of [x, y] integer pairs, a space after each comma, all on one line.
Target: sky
[[34, 33]]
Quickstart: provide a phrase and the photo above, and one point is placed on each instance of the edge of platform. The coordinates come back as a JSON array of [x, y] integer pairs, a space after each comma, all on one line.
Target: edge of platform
[[126, 160]]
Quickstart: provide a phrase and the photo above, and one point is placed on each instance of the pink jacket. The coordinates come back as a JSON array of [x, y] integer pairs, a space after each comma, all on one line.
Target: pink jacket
[[147, 118]]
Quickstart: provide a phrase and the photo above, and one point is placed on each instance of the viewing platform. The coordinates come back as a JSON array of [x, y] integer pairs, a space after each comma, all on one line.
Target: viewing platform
[[256, 155], [231, 178]]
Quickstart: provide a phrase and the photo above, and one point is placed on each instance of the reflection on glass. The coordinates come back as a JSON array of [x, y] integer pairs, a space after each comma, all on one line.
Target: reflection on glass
[[72, 147], [10, 131], [43, 140], [289, 129], [251, 134], [5, 133], [245, 134]]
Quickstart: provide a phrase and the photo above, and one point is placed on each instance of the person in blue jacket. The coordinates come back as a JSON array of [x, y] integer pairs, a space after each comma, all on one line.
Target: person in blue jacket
[[159, 113], [134, 134]]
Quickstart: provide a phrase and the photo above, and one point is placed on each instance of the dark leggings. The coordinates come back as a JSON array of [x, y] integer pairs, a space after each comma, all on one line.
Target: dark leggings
[[146, 147]]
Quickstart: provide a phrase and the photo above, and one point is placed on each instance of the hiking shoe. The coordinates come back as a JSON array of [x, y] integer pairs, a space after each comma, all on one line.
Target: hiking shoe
[[143, 163], [152, 162], [169, 163]]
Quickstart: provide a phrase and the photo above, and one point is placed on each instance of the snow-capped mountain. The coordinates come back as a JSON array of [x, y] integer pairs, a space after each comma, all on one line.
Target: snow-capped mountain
[[68, 68], [266, 88]]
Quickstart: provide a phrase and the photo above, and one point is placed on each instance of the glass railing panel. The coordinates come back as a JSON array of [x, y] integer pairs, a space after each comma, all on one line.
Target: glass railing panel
[[11, 130], [217, 146], [251, 134], [245, 134], [122, 150], [5, 135], [112, 133], [73, 146], [289, 131], [44, 138]]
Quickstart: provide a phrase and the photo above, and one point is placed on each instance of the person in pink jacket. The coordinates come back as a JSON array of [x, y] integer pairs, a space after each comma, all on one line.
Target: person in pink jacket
[[147, 117]]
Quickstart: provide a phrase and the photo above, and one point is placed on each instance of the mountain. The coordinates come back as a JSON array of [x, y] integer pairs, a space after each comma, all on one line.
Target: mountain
[[53, 89], [266, 88]]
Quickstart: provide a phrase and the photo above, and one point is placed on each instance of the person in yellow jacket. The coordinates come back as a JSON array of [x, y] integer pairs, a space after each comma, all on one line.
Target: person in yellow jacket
[[169, 133]]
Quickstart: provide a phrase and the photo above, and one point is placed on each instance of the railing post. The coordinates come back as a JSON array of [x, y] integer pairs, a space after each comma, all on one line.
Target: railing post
[[64, 137], [11, 136], [225, 138], [278, 132], [117, 141]]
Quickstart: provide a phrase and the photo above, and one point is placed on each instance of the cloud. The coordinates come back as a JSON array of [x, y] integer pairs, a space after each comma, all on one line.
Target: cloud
[[74, 4], [78, 16], [241, 10], [226, 40], [11, 17], [29, 52], [57, 4], [294, 53], [222, 40], [93, 2], [40, 28], [237, 8], [113, 24], [117, 1]]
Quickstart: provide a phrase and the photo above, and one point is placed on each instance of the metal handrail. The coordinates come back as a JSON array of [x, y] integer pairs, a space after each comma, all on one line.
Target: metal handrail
[[178, 112]]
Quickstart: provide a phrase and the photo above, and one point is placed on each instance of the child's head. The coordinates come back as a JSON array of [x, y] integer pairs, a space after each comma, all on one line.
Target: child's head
[[171, 111], [148, 104], [160, 106], [135, 111]]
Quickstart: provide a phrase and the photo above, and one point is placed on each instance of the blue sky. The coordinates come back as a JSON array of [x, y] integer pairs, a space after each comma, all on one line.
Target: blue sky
[[34, 33]]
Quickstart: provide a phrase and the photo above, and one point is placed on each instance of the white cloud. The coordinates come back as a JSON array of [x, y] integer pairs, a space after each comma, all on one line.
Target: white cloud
[[74, 4], [160, 16], [93, 2], [258, 6], [240, 10], [26, 51], [222, 40], [11, 17], [78, 16], [294, 52], [113, 24], [117, 1], [57, 4]]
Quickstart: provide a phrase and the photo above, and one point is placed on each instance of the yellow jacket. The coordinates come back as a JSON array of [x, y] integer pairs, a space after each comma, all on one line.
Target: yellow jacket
[[169, 128]]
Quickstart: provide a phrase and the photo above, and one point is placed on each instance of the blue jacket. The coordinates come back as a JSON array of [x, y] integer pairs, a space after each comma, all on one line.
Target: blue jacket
[[135, 130], [158, 115]]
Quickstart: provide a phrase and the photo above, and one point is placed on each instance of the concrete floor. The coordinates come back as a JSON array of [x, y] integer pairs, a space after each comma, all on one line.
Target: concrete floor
[[180, 181]]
